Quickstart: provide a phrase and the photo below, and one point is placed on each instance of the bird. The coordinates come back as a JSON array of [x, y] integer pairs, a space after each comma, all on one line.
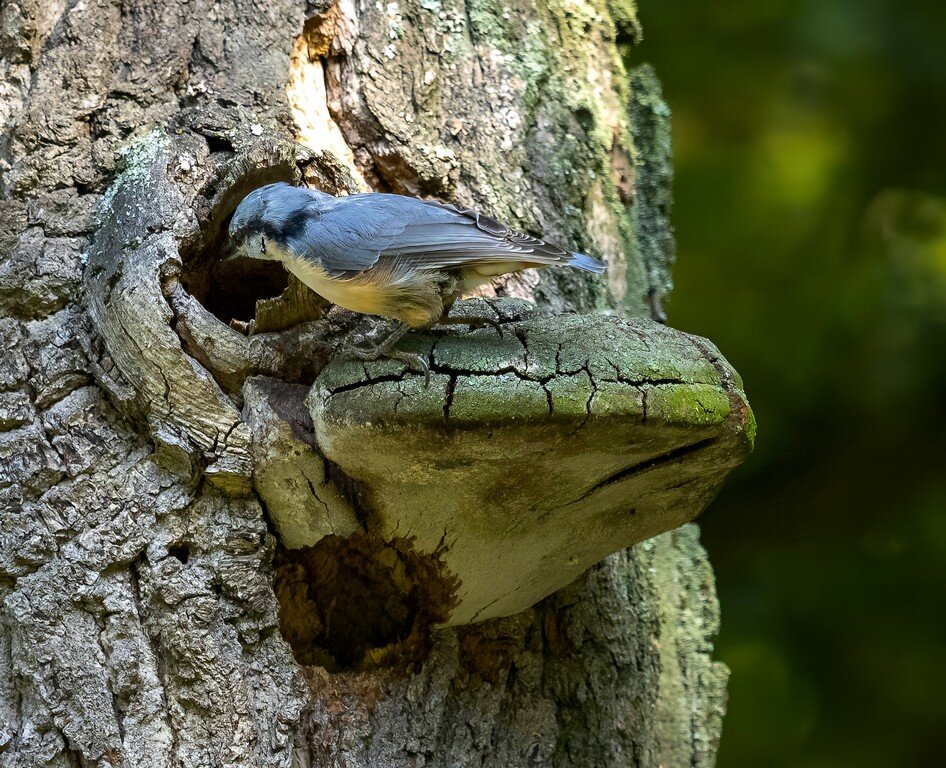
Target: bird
[[394, 256]]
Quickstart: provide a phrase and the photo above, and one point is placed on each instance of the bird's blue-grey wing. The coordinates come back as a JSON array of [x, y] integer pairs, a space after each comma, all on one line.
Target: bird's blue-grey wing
[[445, 236], [344, 237], [359, 230]]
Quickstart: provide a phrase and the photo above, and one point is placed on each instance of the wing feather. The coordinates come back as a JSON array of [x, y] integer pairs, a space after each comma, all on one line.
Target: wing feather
[[355, 232]]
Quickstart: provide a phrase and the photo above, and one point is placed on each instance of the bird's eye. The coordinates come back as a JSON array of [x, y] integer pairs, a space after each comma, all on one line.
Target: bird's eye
[[262, 245]]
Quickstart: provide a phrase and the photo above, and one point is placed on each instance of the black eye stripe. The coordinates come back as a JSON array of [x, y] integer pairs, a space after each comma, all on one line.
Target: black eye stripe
[[296, 222]]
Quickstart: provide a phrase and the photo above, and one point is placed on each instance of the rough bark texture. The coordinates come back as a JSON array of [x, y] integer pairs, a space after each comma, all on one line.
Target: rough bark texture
[[140, 624]]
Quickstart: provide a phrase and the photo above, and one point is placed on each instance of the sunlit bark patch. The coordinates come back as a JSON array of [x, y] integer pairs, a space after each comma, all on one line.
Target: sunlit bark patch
[[306, 91]]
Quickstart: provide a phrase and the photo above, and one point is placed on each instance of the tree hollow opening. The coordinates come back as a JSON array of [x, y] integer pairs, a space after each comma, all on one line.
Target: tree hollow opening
[[358, 603], [230, 288]]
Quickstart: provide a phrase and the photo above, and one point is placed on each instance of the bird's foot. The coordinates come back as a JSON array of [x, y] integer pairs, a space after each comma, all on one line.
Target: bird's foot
[[386, 349], [412, 359], [474, 322]]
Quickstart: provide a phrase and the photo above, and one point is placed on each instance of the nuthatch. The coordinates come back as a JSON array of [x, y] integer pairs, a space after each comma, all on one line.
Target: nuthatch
[[389, 255]]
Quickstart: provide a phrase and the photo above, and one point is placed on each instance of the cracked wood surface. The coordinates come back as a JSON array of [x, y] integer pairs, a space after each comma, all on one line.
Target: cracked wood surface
[[138, 624], [533, 455]]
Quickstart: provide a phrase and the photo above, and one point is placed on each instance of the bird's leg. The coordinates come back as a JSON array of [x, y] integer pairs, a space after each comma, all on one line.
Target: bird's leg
[[474, 321], [386, 349]]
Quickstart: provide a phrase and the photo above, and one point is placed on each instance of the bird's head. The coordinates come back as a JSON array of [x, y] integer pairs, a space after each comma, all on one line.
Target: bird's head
[[251, 225], [268, 216]]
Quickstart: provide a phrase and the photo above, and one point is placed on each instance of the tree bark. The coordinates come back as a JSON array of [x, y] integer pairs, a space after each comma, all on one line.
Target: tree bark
[[140, 623]]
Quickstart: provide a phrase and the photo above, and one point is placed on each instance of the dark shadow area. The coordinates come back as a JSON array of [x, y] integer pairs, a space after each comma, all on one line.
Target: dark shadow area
[[358, 603], [811, 224], [230, 288], [180, 552]]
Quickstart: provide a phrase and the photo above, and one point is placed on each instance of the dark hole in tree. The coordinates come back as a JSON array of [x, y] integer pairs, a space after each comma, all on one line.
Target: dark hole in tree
[[218, 143], [180, 551], [358, 603], [234, 287], [230, 289], [585, 118]]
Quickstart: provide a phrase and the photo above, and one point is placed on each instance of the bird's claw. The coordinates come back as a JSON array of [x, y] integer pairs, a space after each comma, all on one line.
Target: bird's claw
[[475, 322], [411, 359]]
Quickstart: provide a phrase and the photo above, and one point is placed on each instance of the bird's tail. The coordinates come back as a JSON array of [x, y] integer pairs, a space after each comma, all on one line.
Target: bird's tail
[[587, 263]]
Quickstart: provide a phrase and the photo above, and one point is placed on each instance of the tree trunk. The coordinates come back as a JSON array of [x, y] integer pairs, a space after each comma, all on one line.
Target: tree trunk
[[152, 614]]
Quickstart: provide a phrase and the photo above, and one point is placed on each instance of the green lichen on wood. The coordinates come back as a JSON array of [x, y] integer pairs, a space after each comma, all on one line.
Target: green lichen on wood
[[687, 403], [653, 165], [691, 698], [133, 162], [624, 13], [547, 90]]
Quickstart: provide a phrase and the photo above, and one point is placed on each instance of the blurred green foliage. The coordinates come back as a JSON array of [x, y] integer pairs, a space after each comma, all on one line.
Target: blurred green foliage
[[811, 222]]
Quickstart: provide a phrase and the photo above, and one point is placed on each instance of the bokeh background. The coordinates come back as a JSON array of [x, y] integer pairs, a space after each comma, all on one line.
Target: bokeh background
[[810, 140]]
